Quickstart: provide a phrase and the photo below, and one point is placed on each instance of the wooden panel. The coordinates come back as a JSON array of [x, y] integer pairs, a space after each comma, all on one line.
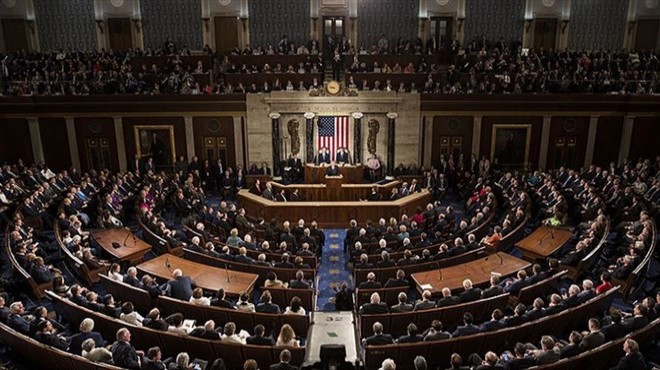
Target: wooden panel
[[94, 128], [571, 128], [608, 139], [487, 123], [15, 141], [644, 143], [55, 143], [647, 34], [119, 33], [15, 34], [129, 124], [215, 126], [545, 33], [226, 33], [451, 126]]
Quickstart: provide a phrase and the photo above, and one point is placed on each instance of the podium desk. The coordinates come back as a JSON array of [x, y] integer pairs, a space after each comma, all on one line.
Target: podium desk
[[315, 174], [478, 271], [543, 242], [132, 249], [335, 190], [207, 277]]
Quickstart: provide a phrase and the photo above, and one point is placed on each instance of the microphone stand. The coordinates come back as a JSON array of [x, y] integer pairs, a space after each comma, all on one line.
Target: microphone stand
[[227, 272], [439, 272], [126, 238]]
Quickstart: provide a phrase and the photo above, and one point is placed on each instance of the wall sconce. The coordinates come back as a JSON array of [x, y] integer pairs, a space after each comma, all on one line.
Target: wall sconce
[[138, 25], [528, 25], [631, 26], [459, 23], [100, 24], [31, 25], [564, 25], [206, 21]]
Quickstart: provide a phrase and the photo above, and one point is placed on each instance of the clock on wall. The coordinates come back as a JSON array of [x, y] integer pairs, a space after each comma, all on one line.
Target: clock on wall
[[333, 87]]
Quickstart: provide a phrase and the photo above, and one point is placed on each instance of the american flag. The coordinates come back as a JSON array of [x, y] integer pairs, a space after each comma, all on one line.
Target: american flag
[[333, 133]]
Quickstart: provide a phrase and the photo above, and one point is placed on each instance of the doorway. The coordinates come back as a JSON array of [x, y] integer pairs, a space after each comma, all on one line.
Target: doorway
[[442, 31], [120, 34], [226, 33], [545, 33], [215, 147], [334, 30], [647, 34], [15, 35]]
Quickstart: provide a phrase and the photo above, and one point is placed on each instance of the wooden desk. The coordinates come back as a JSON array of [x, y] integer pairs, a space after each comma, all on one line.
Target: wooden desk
[[543, 242], [353, 174], [207, 277], [331, 193], [132, 248], [478, 271], [331, 214]]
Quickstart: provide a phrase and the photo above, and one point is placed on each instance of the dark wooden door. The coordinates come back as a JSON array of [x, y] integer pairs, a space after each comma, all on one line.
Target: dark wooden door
[[120, 34], [226, 33], [15, 34], [442, 31], [545, 33], [647, 34], [333, 27]]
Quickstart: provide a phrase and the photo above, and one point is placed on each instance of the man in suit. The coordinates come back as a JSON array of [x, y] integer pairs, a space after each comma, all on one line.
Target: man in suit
[[385, 260], [633, 359], [412, 335], [123, 353], [494, 288], [285, 357], [332, 170], [470, 294], [299, 282], [181, 287], [639, 318], [343, 156], [375, 306], [295, 196], [403, 305], [268, 192], [258, 337], [281, 196], [467, 328], [220, 301], [266, 305], [426, 302], [435, 332], [206, 332], [495, 322], [154, 321], [323, 156], [547, 354], [16, 320], [378, 338], [400, 280], [46, 334], [86, 327], [448, 299], [371, 282], [243, 257], [520, 282]]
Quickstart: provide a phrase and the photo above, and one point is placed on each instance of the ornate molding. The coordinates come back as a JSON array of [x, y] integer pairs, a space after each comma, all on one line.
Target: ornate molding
[[392, 115], [309, 115], [357, 115], [274, 115]]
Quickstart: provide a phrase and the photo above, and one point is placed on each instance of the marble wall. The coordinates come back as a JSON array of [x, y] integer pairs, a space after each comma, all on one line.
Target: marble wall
[[374, 105]]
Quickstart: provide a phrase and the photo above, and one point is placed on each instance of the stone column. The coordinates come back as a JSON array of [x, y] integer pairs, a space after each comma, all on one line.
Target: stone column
[[476, 135], [190, 137], [309, 136], [35, 139], [275, 125], [121, 145], [391, 120], [626, 137], [591, 141], [238, 141], [73, 142], [357, 137], [545, 142]]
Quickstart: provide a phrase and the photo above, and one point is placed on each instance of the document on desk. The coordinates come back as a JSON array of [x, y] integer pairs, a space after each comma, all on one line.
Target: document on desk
[[426, 287]]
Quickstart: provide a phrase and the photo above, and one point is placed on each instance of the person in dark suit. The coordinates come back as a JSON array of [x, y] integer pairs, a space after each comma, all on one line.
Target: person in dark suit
[[181, 287], [470, 294], [495, 322], [343, 156], [467, 328], [86, 327], [638, 320], [375, 306], [323, 156], [435, 332], [633, 359], [285, 357], [153, 360], [131, 278], [400, 280], [268, 192], [547, 354], [378, 338], [299, 282], [494, 288], [371, 282], [615, 329], [46, 335], [374, 195], [385, 260], [573, 346], [332, 170], [296, 196], [206, 332], [518, 316], [537, 310], [403, 305], [266, 305], [448, 299], [16, 320], [154, 321], [123, 353], [220, 301], [520, 282], [594, 338], [258, 337], [426, 302], [412, 335]]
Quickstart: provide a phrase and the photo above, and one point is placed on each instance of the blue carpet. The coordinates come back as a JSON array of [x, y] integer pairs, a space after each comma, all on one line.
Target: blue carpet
[[332, 272]]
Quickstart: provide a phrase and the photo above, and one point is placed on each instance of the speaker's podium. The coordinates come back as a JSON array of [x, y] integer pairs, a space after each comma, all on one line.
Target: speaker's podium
[[333, 184]]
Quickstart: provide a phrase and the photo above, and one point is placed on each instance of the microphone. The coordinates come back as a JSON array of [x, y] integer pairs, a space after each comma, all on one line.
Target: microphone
[[501, 259], [227, 272], [439, 272], [126, 238], [167, 264]]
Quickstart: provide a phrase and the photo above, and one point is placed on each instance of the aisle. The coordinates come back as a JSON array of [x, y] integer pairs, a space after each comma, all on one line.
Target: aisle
[[332, 271]]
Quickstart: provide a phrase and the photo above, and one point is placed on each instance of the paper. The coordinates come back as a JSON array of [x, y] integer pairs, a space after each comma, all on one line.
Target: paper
[[427, 287]]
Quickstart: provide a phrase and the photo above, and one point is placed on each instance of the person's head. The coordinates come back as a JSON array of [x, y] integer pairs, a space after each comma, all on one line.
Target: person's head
[[124, 335], [575, 337], [467, 284], [296, 304], [286, 333], [266, 297], [198, 293], [154, 353], [127, 308], [388, 364], [420, 363], [182, 360], [402, 297], [468, 318], [378, 328], [456, 360], [630, 346], [412, 329], [86, 326], [285, 356], [375, 298], [229, 329], [547, 342], [250, 364], [88, 344]]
